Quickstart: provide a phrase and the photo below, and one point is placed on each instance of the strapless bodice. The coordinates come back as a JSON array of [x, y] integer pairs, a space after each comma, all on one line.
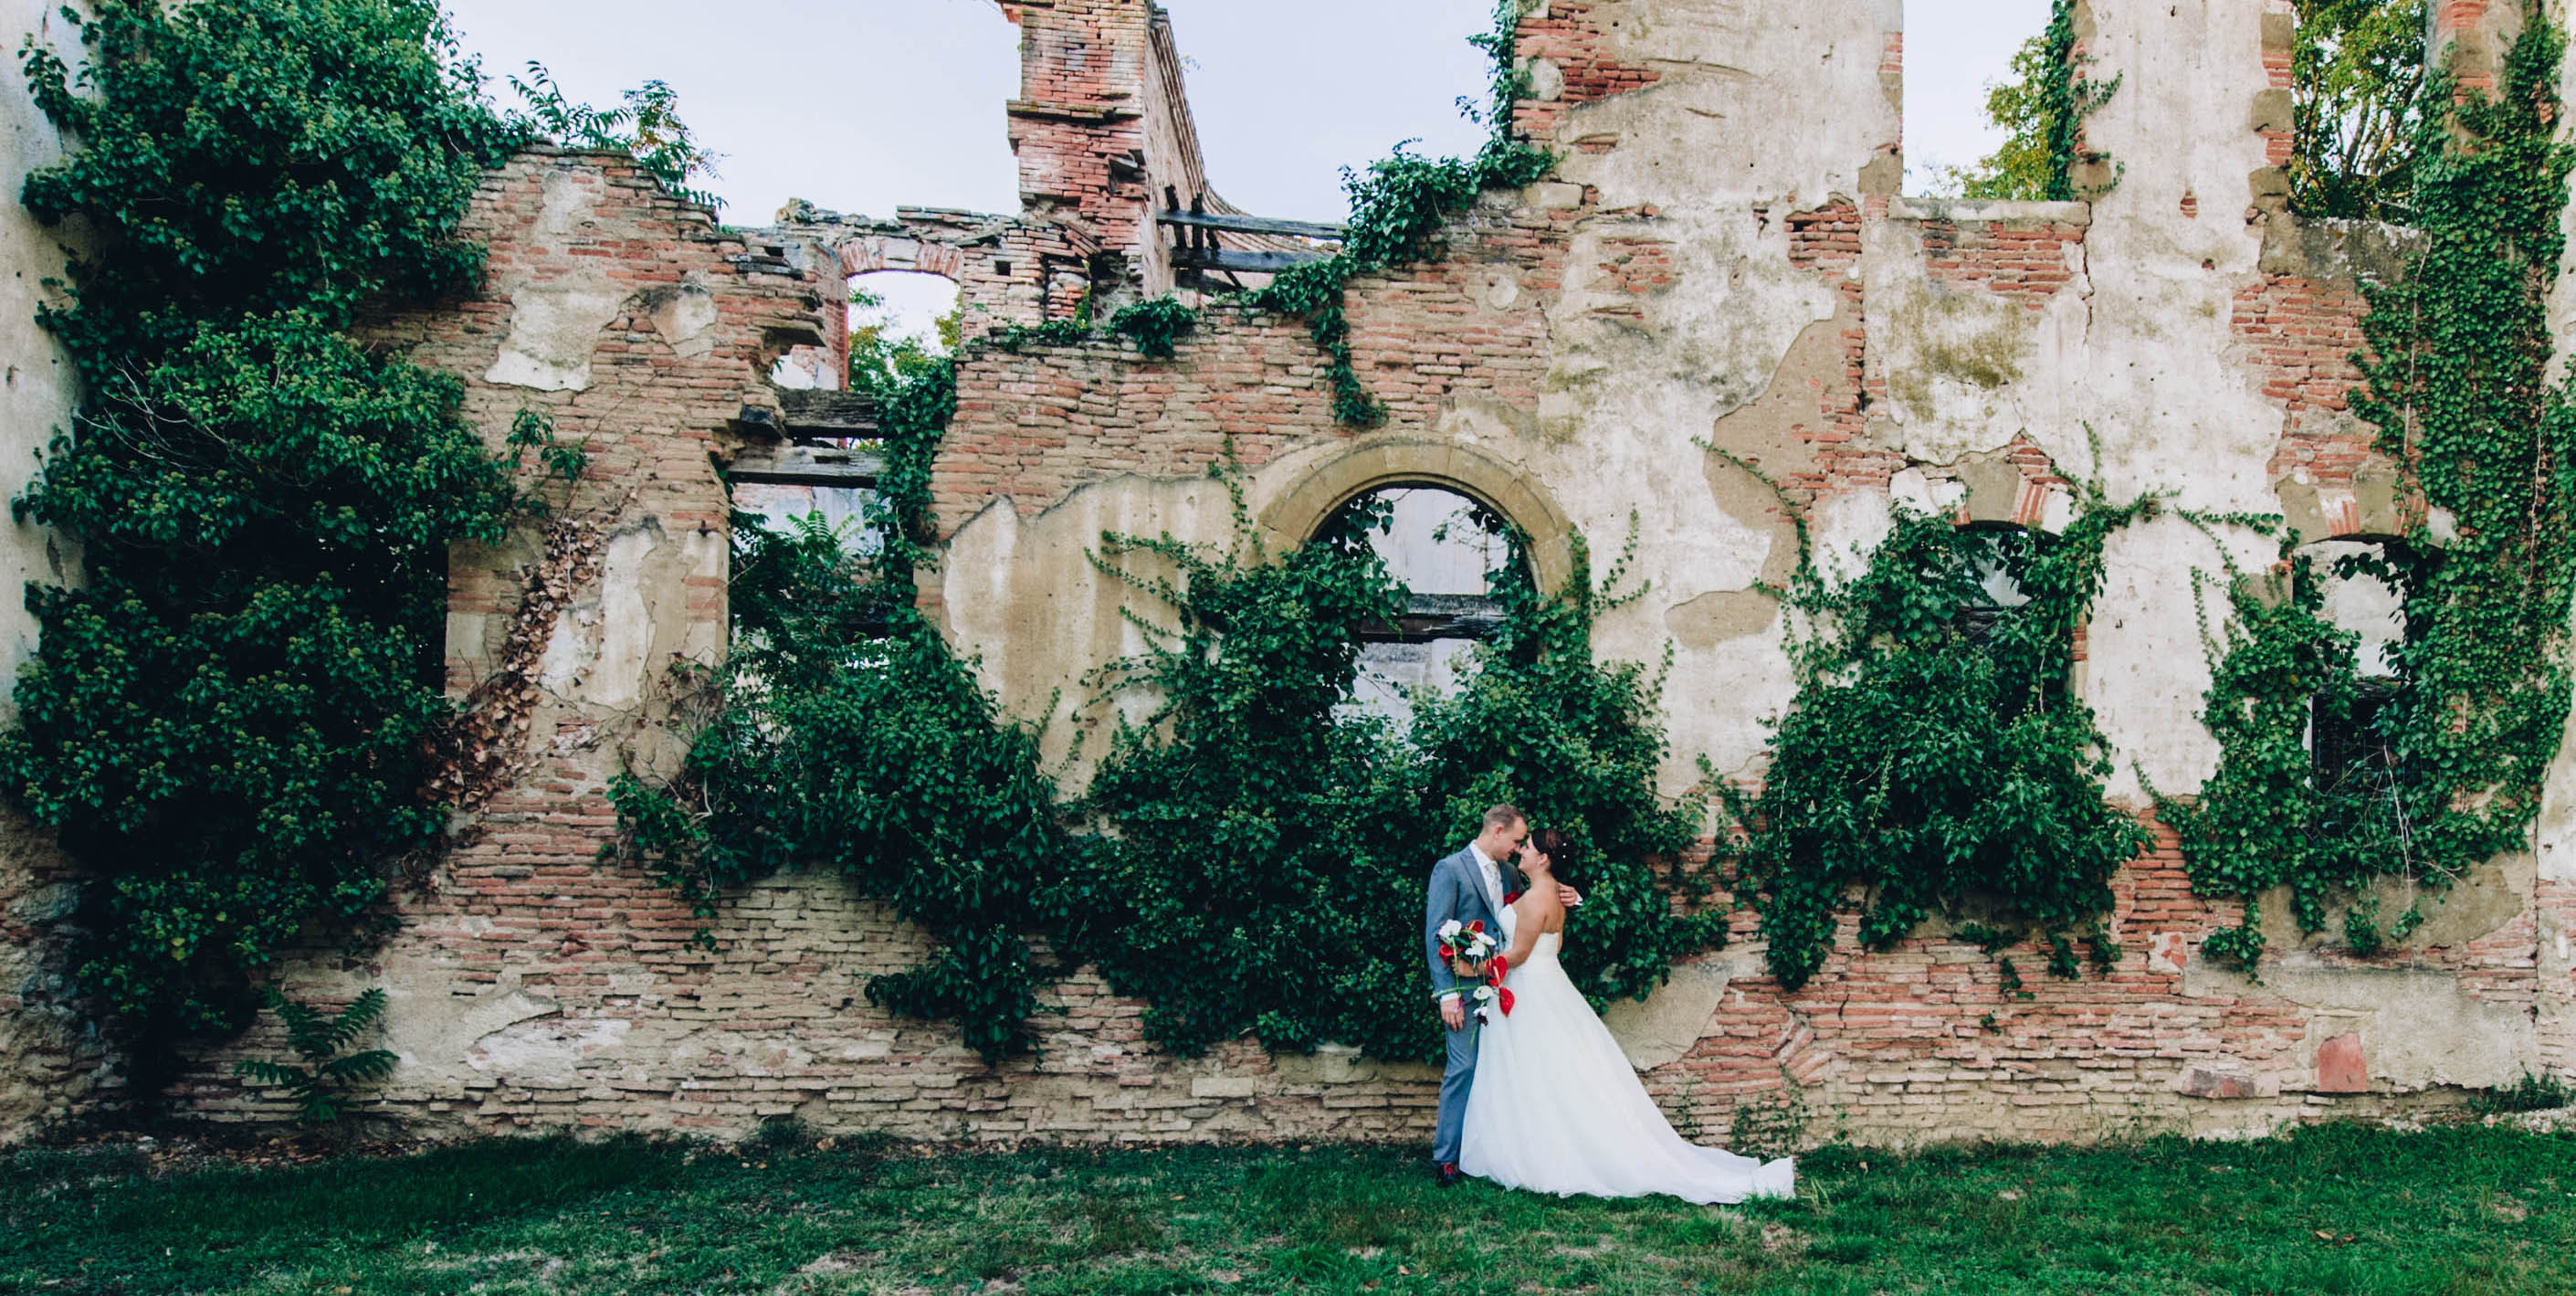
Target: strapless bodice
[[1547, 946]]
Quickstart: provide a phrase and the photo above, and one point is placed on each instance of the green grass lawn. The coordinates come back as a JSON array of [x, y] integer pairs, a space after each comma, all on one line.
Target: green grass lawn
[[2335, 1209]]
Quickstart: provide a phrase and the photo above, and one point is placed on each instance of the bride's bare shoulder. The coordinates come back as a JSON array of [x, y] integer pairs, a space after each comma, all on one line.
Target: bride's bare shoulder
[[1540, 905]]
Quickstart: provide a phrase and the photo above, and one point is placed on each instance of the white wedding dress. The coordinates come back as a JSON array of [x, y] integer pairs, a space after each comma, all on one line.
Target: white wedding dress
[[1556, 1108]]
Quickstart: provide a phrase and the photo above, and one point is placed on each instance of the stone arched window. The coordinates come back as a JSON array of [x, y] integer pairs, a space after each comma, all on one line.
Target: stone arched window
[[1440, 509]]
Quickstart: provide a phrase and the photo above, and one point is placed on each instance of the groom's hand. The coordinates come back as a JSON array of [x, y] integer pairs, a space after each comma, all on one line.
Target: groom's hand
[[1568, 896], [1453, 1013]]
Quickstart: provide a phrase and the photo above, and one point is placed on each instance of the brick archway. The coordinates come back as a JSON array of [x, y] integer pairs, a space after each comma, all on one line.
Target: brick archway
[[872, 253], [1297, 513]]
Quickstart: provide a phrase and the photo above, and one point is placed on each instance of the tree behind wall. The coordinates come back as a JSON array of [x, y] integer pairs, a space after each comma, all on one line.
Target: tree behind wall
[[2042, 108], [2356, 76]]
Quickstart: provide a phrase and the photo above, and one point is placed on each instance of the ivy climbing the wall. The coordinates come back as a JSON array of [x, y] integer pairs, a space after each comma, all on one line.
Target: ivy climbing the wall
[[230, 722], [1249, 859], [2457, 385], [1936, 758], [1398, 207], [226, 721], [1264, 851]]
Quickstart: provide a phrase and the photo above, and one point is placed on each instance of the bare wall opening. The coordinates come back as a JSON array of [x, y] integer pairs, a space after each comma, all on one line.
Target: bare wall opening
[[1957, 52]]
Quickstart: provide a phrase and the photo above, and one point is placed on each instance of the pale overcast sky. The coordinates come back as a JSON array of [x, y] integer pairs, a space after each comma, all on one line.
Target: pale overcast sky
[[861, 105]]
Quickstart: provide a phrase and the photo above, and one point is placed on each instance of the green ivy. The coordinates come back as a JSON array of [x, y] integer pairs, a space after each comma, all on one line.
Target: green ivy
[[876, 756], [1936, 758], [1262, 851], [2457, 384], [1249, 859], [230, 721], [1398, 207], [1156, 325], [226, 721]]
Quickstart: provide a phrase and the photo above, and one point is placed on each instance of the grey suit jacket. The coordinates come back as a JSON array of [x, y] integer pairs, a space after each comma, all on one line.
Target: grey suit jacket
[[1456, 892]]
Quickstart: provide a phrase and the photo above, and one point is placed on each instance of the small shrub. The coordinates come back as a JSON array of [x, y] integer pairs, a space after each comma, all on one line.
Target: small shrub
[[1155, 325], [320, 1086]]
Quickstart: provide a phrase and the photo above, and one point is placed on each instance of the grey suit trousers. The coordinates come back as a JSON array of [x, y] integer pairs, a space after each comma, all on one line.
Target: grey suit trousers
[[1454, 1084]]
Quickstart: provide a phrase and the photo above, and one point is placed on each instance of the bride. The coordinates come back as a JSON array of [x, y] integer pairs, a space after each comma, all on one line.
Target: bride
[[1556, 1108]]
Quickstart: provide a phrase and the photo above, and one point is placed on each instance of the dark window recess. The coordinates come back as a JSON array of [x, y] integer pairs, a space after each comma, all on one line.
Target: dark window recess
[[820, 455], [2351, 746], [1977, 624]]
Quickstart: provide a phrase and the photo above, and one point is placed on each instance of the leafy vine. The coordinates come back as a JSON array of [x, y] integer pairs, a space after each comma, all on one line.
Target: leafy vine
[[1398, 207], [1250, 805], [2457, 384], [1247, 860], [1936, 758], [236, 721], [226, 722]]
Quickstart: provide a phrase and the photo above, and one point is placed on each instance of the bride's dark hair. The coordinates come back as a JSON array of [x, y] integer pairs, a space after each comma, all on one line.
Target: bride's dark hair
[[1555, 846]]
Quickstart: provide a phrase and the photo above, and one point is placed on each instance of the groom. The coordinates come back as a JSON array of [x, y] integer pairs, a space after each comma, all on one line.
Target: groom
[[1468, 886]]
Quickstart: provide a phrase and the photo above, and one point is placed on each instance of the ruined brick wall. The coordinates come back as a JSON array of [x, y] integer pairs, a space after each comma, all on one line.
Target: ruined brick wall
[[1679, 286], [55, 1066], [1683, 298], [1102, 126]]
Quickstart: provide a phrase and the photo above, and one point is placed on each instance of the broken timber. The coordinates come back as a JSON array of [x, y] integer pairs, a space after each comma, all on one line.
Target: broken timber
[[1439, 616], [818, 429], [805, 465], [1194, 245], [1254, 225]]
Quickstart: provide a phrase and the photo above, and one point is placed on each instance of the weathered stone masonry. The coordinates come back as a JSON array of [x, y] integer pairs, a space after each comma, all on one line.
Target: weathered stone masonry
[[1721, 260]]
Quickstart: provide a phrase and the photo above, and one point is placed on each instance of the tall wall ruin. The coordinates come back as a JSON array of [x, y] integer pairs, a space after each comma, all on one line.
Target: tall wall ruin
[[1722, 258]]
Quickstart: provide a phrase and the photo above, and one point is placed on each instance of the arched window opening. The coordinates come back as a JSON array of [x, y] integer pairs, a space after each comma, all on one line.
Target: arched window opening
[[2360, 595], [1448, 550]]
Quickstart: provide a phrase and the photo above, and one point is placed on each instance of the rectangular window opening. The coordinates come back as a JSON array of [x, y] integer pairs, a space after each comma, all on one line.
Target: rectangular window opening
[[1970, 127]]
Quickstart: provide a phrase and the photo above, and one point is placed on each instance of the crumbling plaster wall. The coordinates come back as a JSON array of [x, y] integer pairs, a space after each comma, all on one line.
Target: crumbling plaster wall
[[1720, 261]]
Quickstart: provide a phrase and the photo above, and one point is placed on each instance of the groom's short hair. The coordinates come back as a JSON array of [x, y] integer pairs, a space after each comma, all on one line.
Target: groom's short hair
[[1503, 816]]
